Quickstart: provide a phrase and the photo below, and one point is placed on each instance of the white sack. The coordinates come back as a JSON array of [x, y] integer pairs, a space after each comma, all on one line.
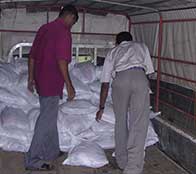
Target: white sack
[[108, 114], [102, 126], [8, 76], [152, 137], [76, 119], [101, 133], [22, 91], [22, 79], [82, 90], [9, 97], [21, 66], [98, 72], [105, 140], [86, 154], [74, 123], [17, 133], [80, 107], [84, 72], [32, 100], [68, 141], [154, 114], [88, 135], [12, 144], [14, 118], [3, 140], [95, 88], [95, 99], [83, 95]]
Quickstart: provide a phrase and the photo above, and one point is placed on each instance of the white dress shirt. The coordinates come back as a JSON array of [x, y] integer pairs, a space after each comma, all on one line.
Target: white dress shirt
[[127, 55]]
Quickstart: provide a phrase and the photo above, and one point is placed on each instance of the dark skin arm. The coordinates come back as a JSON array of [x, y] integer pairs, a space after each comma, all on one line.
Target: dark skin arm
[[103, 97], [31, 81], [63, 65]]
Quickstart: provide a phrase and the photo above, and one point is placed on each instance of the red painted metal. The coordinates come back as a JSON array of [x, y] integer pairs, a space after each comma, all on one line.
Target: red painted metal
[[159, 73], [177, 109], [179, 94], [175, 60], [177, 77], [164, 21], [159, 63], [179, 20]]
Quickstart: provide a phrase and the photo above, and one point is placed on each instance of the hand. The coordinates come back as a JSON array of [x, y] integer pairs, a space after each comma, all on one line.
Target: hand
[[31, 85], [71, 93], [99, 115]]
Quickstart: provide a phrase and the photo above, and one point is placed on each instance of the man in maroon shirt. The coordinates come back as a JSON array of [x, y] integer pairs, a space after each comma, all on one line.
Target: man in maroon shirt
[[48, 71]]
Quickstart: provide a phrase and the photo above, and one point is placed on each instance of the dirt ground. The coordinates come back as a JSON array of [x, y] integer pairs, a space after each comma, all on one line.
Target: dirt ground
[[155, 163]]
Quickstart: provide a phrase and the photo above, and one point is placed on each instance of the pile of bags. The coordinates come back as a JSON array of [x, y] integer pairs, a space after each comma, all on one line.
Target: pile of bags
[[79, 133]]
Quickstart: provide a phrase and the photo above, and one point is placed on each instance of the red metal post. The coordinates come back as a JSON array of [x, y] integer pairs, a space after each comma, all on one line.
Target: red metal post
[[178, 77], [159, 62], [177, 109], [175, 60], [178, 93], [165, 21]]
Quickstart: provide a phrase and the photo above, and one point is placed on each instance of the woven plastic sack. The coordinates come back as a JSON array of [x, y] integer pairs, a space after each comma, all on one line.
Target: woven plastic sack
[[86, 154]]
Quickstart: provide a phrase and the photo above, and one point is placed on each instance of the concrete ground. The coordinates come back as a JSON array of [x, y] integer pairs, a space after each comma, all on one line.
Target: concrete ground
[[155, 163]]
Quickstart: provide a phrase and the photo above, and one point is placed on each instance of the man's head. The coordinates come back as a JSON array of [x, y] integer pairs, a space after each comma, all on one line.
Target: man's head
[[70, 14], [123, 36]]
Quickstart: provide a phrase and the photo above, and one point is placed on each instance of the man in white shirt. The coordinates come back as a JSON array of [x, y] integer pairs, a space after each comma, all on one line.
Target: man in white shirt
[[128, 64]]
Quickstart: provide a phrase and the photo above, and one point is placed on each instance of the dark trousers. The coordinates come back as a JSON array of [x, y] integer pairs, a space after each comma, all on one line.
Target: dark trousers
[[45, 142]]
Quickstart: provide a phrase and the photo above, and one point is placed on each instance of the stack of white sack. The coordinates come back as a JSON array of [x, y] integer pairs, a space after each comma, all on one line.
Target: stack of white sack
[[13, 82], [76, 120], [15, 134]]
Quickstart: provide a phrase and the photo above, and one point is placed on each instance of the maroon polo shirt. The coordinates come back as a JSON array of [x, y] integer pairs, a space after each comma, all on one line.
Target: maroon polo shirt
[[52, 43]]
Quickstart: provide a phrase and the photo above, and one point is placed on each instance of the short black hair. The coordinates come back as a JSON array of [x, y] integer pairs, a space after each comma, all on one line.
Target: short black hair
[[123, 36], [69, 9]]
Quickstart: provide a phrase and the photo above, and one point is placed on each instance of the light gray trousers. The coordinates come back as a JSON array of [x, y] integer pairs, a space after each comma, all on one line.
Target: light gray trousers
[[130, 95], [45, 142]]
